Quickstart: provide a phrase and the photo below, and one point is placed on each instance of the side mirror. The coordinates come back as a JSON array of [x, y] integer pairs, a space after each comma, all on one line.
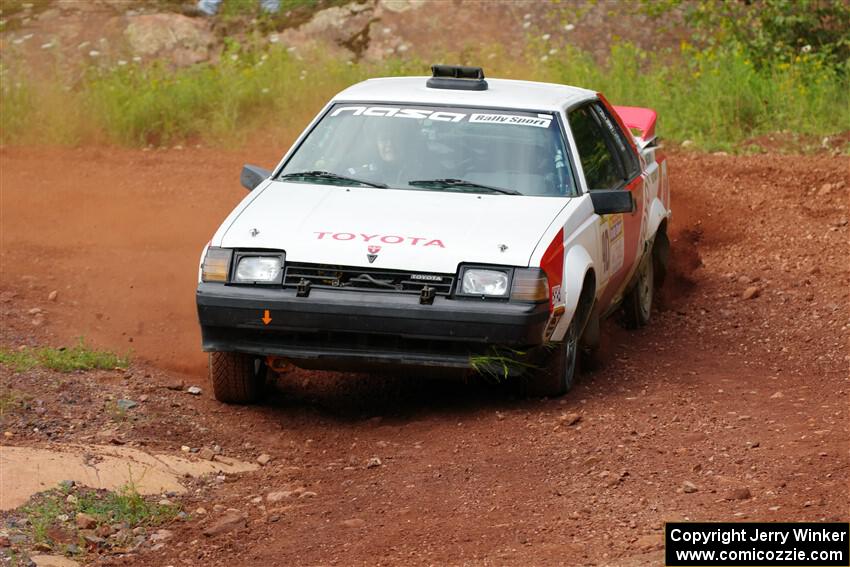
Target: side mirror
[[610, 201], [253, 175]]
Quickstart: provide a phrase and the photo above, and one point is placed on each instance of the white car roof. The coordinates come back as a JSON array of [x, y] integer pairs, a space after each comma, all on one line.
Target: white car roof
[[501, 93]]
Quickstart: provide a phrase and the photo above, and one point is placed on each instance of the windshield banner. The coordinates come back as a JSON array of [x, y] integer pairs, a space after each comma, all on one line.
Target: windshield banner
[[537, 121]]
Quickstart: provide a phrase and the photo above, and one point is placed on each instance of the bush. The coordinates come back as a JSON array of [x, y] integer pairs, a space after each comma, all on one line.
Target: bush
[[245, 90], [716, 96], [769, 31]]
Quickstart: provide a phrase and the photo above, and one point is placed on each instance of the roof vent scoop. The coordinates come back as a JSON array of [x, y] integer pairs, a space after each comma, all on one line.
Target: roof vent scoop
[[457, 77]]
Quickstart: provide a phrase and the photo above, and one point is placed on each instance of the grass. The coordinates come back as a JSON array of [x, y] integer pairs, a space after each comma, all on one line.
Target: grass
[[247, 91], [716, 98], [116, 413], [124, 506], [501, 363], [234, 15], [79, 357], [43, 514], [9, 398], [251, 7]]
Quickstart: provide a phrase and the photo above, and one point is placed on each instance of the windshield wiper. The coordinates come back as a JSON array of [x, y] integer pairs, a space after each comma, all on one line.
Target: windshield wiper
[[460, 183], [333, 177]]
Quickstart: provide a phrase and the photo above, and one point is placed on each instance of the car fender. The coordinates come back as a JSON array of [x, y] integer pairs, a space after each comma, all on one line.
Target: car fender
[[577, 263], [572, 244], [657, 213], [201, 261], [658, 193]]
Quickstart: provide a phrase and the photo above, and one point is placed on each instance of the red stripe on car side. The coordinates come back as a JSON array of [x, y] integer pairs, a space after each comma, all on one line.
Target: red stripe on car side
[[553, 263]]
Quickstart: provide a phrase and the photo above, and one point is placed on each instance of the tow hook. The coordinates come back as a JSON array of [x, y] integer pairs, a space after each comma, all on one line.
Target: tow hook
[[279, 365], [427, 295], [303, 288]]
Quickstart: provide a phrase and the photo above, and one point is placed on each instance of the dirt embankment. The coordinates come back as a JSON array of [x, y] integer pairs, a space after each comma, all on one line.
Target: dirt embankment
[[739, 385], [101, 33]]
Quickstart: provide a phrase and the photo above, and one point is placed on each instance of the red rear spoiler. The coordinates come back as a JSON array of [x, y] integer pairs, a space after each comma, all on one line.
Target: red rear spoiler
[[641, 119]]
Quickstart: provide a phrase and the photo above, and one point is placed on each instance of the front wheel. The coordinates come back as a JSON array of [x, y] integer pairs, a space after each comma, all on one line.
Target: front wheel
[[558, 376], [236, 378], [637, 305]]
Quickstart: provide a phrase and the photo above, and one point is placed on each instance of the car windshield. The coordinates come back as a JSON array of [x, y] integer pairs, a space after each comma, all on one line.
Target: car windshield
[[429, 148]]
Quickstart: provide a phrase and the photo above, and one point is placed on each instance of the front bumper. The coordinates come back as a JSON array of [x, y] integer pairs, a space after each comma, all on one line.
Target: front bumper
[[338, 329]]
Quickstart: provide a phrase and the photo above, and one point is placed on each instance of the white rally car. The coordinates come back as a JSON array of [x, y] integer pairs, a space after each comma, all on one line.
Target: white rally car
[[443, 221]]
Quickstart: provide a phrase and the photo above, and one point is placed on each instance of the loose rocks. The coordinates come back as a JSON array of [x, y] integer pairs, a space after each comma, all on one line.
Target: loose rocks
[[229, 522]]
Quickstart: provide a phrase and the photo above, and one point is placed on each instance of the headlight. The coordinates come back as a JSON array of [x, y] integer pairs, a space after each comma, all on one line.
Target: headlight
[[258, 269], [479, 281], [216, 264]]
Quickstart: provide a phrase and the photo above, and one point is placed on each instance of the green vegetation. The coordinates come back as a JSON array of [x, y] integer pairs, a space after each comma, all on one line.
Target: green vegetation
[[238, 95], [59, 507], [768, 31], [717, 97], [79, 357], [42, 514], [136, 105], [501, 363], [9, 398], [780, 65], [126, 505], [235, 8]]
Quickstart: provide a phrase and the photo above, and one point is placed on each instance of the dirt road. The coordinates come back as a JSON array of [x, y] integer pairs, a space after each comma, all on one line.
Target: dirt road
[[739, 385]]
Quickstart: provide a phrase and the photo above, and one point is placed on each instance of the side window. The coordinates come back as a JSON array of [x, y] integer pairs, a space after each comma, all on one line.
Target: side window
[[601, 168], [620, 142]]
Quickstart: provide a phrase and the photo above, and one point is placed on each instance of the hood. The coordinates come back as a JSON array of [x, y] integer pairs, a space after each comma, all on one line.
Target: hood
[[430, 231]]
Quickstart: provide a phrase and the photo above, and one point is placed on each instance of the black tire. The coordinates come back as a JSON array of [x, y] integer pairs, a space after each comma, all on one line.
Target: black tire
[[660, 256], [637, 304], [588, 351], [558, 376], [236, 378], [589, 359]]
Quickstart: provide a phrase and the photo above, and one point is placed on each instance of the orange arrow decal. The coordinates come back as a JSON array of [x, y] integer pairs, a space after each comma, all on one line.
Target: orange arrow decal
[[266, 317]]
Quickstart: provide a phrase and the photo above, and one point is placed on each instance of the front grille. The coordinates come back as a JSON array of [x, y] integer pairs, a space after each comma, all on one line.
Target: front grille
[[366, 279]]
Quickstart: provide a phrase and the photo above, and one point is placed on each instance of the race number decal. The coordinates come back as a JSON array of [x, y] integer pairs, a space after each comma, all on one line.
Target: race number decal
[[556, 295], [613, 243]]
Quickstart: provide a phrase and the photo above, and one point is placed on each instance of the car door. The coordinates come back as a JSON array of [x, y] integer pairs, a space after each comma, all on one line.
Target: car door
[[610, 162]]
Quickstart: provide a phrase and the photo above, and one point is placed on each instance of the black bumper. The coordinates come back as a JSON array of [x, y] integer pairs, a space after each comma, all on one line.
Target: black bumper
[[336, 329]]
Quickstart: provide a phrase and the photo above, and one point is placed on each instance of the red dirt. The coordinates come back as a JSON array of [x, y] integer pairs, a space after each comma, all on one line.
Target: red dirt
[[718, 390], [118, 233]]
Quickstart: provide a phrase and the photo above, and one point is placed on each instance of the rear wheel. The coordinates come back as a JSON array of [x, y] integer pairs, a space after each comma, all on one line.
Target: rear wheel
[[558, 376], [637, 304], [236, 378]]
